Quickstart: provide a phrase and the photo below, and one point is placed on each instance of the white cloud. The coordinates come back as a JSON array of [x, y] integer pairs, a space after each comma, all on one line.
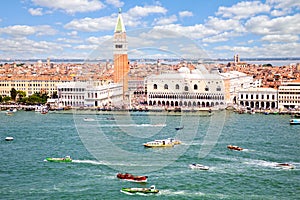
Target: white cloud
[[139, 11], [244, 9], [282, 25], [36, 11], [281, 38], [284, 4], [92, 25], [165, 20], [24, 30], [71, 6], [116, 3], [185, 14], [224, 25]]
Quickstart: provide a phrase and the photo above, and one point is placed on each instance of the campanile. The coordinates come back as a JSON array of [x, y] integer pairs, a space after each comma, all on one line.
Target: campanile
[[121, 65]]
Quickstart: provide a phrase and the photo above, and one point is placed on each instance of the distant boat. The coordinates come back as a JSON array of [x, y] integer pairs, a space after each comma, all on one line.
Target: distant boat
[[88, 119], [294, 121], [65, 159], [150, 190], [159, 143], [198, 166], [285, 166], [9, 139], [179, 128], [236, 148], [130, 177]]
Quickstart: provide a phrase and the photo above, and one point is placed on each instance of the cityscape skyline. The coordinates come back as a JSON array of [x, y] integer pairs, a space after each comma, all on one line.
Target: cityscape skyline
[[39, 29]]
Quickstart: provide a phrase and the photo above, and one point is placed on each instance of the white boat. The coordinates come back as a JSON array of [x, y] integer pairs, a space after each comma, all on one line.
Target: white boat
[[198, 166], [9, 138], [158, 143], [88, 119], [295, 121]]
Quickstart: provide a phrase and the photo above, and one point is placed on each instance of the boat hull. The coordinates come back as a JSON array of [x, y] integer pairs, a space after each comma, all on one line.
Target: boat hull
[[295, 121], [59, 160], [132, 178], [140, 190]]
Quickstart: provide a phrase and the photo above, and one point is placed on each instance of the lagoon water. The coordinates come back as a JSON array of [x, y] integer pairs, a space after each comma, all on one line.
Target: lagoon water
[[103, 146]]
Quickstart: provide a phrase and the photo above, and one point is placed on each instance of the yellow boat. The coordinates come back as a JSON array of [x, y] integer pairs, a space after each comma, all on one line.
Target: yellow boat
[[159, 143]]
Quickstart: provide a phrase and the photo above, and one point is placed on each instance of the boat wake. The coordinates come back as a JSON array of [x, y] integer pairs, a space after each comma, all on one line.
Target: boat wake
[[132, 125], [261, 163], [93, 162]]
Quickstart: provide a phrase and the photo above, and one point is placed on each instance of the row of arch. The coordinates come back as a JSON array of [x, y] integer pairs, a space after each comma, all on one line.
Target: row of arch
[[185, 103], [186, 96], [258, 104]]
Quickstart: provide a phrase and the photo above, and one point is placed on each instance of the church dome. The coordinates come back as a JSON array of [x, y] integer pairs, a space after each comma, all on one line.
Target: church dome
[[184, 70]]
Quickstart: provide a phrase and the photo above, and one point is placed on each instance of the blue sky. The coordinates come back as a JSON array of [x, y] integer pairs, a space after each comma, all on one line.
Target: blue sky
[[215, 29]]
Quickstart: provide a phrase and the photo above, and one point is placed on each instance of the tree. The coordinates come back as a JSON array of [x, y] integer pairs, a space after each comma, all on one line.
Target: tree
[[6, 99], [1, 99], [21, 94], [13, 94]]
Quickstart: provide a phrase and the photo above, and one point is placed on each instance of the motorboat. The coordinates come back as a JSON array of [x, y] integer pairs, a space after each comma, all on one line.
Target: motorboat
[[236, 148], [9, 139], [65, 159], [159, 143], [179, 128], [151, 190], [88, 119], [285, 166], [133, 178], [198, 166], [294, 121]]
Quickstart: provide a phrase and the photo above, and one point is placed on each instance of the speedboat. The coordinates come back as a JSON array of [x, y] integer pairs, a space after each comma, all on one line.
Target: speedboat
[[237, 148], [88, 119], [159, 143], [198, 166], [9, 138], [179, 128], [294, 121], [285, 166], [130, 177], [65, 159], [151, 190]]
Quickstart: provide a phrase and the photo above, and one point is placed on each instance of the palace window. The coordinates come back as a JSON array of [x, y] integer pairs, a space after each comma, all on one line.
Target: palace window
[[218, 88], [177, 87], [166, 87], [118, 46], [155, 87], [206, 88], [195, 87], [186, 88]]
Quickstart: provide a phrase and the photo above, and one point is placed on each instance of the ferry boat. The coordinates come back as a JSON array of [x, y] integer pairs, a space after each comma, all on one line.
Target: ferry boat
[[159, 143]]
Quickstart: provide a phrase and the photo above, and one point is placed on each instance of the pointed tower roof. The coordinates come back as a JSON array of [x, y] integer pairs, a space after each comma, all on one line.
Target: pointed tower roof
[[120, 25]]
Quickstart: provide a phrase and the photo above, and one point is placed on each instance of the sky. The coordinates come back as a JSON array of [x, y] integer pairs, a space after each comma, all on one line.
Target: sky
[[190, 29]]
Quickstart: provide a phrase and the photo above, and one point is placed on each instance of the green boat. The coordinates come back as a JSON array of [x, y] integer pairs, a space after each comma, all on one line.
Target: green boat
[[150, 190], [65, 159]]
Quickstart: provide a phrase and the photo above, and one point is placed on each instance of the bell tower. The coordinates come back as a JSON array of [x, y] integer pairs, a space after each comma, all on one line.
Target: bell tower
[[121, 65]]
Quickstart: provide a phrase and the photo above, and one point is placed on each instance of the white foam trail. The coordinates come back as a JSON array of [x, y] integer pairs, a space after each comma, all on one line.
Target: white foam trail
[[89, 162]]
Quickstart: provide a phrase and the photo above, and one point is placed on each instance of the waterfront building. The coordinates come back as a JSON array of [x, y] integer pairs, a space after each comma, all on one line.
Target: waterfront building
[[258, 98], [121, 63], [71, 94], [185, 89], [289, 94], [235, 81], [89, 94]]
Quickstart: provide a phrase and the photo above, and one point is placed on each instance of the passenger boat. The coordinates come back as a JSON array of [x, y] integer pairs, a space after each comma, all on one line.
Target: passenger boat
[[65, 159], [294, 121], [237, 148], [198, 166], [130, 177], [174, 141], [151, 190], [285, 166], [159, 143]]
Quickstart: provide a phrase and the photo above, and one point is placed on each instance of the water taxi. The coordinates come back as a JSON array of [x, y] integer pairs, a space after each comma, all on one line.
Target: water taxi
[[236, 148], [285, 166], [198, 166], [133, 178], [294, 121], [159, 143], [151, 190]]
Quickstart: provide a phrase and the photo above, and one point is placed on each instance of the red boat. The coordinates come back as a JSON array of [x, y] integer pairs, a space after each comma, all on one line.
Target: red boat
[[234, 148], [130, 177]]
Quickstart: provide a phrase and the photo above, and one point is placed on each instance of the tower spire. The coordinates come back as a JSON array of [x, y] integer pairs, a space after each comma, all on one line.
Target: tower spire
[[120, 28]]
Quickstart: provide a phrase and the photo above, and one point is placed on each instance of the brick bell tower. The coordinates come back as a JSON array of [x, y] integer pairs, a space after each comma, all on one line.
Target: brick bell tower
[[121, 64]]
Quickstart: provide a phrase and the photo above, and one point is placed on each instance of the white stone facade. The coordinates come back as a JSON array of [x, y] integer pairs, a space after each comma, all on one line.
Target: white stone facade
[[258, 98], [289, 95]]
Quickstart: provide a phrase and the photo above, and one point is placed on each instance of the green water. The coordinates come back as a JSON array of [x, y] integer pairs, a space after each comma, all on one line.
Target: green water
[[103, 147]]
